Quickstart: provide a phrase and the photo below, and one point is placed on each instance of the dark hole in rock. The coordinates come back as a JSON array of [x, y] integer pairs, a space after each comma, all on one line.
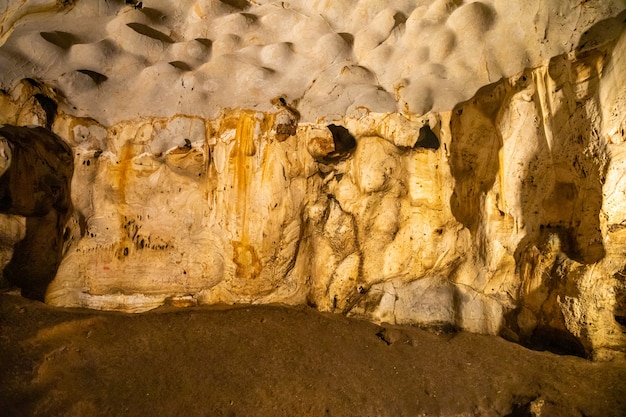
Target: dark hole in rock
[[587, 254], [521, 410], [250, 18], [36, 185], [343, 139], [63, 40], [268, 70], [621, 320], [205, 42], [32, 82], [399, 19], [183, 66], [382, 335], [237, 4], [49, 106], [427, 139], [149, 32], [95, 76], [347, 37], [556, 341]]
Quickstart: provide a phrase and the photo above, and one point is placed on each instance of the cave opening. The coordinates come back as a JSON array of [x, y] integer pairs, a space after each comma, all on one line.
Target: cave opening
[[344, 140], [427, 139]]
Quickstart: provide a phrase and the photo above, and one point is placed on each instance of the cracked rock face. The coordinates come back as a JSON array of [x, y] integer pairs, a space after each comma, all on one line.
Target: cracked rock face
[[441, 163]]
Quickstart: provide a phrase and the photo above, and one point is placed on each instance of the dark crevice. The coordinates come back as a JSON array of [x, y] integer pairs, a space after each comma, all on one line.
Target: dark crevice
[[63, 40], [343, 139], [183, 66], [250, 18], [398, 19], [149, 32], [205, 42], [37, 186], [237, 4], [347, 37], [49, 106], [382, 335], [427, 139], [556, 341], [521, 410], [95, 76]]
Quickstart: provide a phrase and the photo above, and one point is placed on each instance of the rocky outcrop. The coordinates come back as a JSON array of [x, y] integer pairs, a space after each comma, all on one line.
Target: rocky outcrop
[[503, 213]]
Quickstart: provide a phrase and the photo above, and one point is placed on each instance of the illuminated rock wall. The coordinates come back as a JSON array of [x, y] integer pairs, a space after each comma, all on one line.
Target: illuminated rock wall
[[453, 199]]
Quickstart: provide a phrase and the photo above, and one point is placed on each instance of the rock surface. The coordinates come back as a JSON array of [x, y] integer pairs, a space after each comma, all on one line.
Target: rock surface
[[440, 163]]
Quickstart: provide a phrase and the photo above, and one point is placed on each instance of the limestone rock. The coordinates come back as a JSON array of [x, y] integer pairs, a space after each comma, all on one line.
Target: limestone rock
[[448, 164]]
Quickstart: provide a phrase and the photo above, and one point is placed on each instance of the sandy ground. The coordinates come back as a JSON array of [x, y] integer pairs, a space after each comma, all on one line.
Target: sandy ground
[[279, 361]]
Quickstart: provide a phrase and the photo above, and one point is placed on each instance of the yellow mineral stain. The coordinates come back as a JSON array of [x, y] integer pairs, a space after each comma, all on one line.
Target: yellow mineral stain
[[266, 126], [242, 150], [120, 171], [248, 125], [246, 260], [588, 65], [244, 123], [198, 11], [244, 256]]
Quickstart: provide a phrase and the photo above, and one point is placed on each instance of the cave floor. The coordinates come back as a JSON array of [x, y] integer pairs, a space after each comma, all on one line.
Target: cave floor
[[279, 361]]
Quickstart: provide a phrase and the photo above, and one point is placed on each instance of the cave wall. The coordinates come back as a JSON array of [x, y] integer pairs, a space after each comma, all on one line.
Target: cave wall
[[501, 211]]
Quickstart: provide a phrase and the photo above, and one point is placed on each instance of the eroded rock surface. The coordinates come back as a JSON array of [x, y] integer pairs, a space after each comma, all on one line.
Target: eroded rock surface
[[311, 176]]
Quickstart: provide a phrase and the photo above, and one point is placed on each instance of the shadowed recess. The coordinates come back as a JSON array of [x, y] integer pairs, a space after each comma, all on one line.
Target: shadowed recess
[[237, 4], [599, 34], [149, 32], [556, 341], [63, 40], [183, 66], [343, 139], [427, 139], [95, 76], [399, 19], [347, 37], [205, 42], [49, 106], [36, 185], [250, 18]]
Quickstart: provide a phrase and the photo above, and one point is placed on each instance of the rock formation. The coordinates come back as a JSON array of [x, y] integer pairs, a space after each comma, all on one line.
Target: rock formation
[[441, 163]]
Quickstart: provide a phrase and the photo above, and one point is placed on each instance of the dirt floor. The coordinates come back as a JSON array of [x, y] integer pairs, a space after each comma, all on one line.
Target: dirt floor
[[279, 361]]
